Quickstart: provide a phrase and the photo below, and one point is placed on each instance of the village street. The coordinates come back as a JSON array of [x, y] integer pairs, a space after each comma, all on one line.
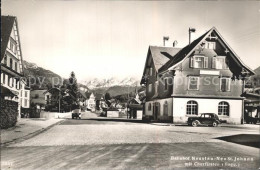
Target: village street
[[102, 143]]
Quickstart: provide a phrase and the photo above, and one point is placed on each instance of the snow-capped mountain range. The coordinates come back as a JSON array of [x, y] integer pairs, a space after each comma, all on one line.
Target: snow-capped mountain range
[[32, 70], [100, 83]]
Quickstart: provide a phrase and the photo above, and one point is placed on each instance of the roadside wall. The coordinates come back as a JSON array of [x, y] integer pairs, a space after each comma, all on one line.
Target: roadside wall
[[54, 115], [8, 113]]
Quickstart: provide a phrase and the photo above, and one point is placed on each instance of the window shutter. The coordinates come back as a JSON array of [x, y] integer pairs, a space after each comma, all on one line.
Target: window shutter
[[226, 63], [228, 84], [206, 62], [214, 62], [191, 62]]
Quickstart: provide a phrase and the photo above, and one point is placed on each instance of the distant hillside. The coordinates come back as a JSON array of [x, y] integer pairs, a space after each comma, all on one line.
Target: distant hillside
[[257, 70], [254, 81], [116, 90], [39, 77]]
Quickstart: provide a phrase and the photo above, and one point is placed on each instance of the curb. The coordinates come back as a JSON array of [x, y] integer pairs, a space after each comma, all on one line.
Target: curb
[[30, 135]]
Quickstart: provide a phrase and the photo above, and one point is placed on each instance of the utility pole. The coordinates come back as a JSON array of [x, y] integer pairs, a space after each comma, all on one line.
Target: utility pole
[[59, 98]]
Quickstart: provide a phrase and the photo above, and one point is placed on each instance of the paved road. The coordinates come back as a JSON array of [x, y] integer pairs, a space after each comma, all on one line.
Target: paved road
[[99, 143]]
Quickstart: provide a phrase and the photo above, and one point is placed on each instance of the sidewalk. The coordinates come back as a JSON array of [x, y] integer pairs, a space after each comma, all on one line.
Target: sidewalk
[[251, 126], [26, 128]]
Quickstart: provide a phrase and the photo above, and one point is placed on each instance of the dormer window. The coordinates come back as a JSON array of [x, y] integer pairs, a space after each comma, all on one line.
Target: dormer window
[[199, 61]]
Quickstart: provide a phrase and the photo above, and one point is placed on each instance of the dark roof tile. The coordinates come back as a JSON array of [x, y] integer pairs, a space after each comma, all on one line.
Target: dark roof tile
[[7, 23]]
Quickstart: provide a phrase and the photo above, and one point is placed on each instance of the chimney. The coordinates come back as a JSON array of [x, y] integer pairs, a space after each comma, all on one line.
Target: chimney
[[165, 38], [191, 30], [174, 43]]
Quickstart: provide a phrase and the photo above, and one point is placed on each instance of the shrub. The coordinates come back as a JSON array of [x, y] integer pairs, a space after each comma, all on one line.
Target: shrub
[[8, 113]]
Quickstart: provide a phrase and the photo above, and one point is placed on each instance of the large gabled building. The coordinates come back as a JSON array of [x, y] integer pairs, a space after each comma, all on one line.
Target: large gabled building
[[206, 76], [12, 62]]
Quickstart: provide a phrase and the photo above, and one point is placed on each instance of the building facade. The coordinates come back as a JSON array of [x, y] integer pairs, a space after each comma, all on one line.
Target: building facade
[[206, 76], [12, 61]]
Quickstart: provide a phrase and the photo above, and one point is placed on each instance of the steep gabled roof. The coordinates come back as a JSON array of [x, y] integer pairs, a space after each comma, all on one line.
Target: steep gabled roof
[[88, 94], [187, 51], [183, 53], [7, 23], [161, 55], [83, 94]]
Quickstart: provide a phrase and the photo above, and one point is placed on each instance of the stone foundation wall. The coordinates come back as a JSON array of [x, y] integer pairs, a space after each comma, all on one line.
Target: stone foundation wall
[[8, 113]]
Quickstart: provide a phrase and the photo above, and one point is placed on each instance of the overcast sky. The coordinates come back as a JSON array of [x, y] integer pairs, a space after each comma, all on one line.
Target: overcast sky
[[106, 39]]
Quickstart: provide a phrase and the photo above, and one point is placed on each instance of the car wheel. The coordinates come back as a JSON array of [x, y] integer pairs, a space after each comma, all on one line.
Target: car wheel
[[194, 123], [215, 124], [72, 117]]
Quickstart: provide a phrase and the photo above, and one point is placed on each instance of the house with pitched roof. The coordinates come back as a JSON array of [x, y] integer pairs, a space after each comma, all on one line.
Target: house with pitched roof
[[90, 101], [12, 62], [206, 76]]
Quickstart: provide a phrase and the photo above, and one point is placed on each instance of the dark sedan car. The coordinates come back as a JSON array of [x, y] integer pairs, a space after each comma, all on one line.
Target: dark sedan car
[[210, 119]]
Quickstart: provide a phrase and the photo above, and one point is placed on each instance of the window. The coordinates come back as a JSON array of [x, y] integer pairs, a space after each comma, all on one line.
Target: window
[[150, 87], [223, 108], [5, 60], [25, 94], [219, 62], [17, 85], [165, 84], [15, 66], [193, 83], [12, 46], [224, 84], [165, 108], [10, 81], [198, 61], [210, 45], [25, 102], [207, 116], [3, 78], [156, 87], [149, 107], [11, 63], [192, 108], [151, 71], [21, 93]]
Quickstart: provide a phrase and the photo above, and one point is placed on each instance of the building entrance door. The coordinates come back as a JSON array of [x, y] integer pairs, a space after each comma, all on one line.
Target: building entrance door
[[156, 110]]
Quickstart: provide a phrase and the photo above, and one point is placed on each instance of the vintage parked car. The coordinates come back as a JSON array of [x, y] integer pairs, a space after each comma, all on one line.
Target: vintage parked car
[[76, 114], [210, 119]]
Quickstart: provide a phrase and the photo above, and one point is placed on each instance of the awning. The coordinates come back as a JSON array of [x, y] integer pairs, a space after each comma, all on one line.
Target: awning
[[7, 92]]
